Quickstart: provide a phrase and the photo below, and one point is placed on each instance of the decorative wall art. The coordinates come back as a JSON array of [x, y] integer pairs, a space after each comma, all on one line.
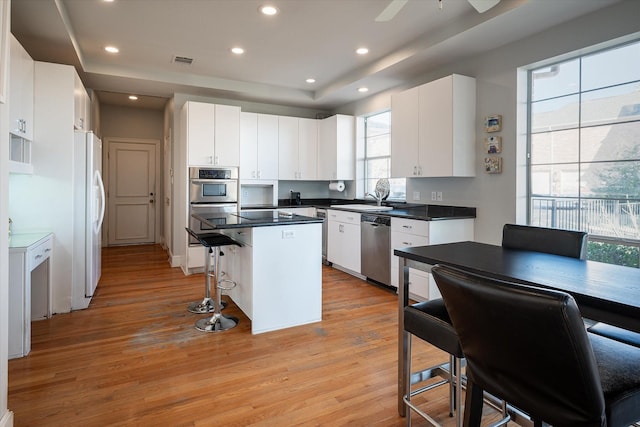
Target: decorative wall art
[[493, 144], [493, 123], [493, 164]]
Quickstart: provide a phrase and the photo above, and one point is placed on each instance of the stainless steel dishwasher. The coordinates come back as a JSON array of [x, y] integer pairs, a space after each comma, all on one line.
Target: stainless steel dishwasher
[[322, 213], [375, 248]]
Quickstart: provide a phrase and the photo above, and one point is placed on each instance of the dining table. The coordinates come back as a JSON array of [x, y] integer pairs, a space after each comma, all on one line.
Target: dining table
[[604, 292]]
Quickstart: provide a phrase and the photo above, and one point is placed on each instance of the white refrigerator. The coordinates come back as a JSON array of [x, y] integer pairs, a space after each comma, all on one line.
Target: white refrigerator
[[89, 208]]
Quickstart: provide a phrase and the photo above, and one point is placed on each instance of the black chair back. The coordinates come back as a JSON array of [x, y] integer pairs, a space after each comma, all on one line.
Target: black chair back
[[549, 240], [525, 345]]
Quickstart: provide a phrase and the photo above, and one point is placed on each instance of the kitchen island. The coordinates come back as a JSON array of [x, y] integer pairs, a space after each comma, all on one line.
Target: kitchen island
[[277, 270]]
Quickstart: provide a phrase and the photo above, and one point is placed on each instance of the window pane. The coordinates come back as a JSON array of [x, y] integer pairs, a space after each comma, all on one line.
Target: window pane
[[554, 114], [612, 67], [377, 168], [616, 104], [379, 146], [556, 80], [379, 124], [619, 180], [614, 254], [555, 213], [555, 180], [397, 188], [615, 218], [555, 147], [615, 142]]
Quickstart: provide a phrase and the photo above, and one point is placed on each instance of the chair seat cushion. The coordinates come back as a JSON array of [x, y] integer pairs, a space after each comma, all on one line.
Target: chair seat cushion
[[615, 333], [430, 322], [619, 368]]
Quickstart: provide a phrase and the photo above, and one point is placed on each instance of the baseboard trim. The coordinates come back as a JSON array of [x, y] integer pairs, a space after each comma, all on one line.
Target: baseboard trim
[[7, 419]]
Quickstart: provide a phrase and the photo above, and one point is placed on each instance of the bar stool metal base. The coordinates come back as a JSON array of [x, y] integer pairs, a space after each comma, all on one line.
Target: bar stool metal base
[[207, 305], [217, 323]]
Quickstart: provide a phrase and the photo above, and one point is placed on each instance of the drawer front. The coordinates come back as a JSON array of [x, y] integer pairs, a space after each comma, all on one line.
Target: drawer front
[[38, 254], [405, 240], [344, 216], [410, 226]]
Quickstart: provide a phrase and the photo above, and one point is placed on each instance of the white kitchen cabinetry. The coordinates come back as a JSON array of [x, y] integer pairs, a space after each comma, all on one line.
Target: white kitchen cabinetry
[[21, 91], [297, 145], [336, 148], [82, 106], [212, 134], [440, 141], [343, 239], [258, 146], [409, 233], [29, 287]]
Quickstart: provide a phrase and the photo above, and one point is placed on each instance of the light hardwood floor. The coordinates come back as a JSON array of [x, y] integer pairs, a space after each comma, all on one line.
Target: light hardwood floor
[[134, 358]]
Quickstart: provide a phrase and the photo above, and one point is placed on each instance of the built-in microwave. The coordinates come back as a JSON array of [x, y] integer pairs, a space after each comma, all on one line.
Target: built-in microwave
[[213, 185]]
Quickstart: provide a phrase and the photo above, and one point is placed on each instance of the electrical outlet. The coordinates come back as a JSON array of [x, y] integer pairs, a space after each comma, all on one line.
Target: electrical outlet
[[439, 196], [433, 195], [288, 234], [416, 196]]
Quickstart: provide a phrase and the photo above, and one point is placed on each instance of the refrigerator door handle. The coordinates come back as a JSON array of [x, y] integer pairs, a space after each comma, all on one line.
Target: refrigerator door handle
[[98, 223]]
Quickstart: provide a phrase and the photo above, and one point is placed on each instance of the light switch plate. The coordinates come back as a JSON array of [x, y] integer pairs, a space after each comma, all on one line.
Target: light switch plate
[[416, 195], [439, 196], [433, 195]]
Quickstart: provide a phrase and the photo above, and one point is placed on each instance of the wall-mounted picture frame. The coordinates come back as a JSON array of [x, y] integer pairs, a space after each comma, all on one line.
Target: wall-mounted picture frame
[[493, 164], [493, 123], [493, 145]]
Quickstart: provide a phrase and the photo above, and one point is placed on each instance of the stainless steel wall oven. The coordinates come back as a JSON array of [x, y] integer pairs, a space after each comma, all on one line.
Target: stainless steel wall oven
[[213, 192]]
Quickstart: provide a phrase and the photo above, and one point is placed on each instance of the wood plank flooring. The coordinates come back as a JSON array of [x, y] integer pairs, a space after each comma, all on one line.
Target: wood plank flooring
[[134, 358]]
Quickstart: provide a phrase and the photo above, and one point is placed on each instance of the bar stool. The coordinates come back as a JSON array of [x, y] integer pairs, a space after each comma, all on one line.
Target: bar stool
[[212, 243]]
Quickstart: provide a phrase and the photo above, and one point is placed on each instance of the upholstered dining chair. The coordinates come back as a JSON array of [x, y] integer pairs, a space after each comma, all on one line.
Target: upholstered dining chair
[[529, 346], [548, 240]]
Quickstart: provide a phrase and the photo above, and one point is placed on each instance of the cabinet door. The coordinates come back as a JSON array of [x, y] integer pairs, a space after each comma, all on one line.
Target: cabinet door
[[436, 127], [80, 104], [345, 144], [248, 145], [21, 76], [334, 241], [199, 118], [351, 247], [307, 148], [267, 147], [227, 135], [327, 129], [405, 120], [288, 148]]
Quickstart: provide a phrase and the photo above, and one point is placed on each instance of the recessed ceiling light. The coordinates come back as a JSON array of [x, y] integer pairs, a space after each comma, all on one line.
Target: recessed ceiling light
[[237, 50], [362, 51], [108, 1], [132, 97], [363, 89], [310, 80], [112, 49], [269, 10]]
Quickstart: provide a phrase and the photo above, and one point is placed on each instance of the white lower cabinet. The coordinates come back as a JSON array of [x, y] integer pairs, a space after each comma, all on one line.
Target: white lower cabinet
[[408, 233], [343, 239]]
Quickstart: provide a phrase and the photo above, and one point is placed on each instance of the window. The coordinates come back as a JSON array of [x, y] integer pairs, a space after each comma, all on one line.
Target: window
[[584, 150], [377, 151]]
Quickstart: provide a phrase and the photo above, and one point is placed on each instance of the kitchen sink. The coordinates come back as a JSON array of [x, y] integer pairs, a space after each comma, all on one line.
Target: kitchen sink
[[364, 208]]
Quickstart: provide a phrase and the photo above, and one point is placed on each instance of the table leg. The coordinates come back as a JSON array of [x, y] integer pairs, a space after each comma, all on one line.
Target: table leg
[[403, 342]]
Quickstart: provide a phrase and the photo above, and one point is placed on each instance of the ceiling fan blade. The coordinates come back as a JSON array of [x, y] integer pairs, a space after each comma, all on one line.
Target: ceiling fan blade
[[391, 10], [483, 5]]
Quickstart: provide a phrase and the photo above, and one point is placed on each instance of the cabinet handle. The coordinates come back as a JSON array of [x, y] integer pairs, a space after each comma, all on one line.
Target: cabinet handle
[[420, 170], [407, 226], [216, 160], [253, 174], [407, 243], [258, 174], [341, 228], [38, 256], [48, 250]]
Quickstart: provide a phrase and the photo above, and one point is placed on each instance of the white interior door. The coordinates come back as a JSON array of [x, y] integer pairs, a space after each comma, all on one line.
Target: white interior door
[[132, 193]]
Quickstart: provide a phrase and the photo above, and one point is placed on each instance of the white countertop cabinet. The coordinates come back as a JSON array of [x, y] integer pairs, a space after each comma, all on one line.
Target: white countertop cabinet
[[297, 148], [343, 239], [29, 287], [438, 140]]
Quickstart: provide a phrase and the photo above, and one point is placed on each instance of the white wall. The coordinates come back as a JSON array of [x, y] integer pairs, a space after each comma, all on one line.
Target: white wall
[[499, 198]]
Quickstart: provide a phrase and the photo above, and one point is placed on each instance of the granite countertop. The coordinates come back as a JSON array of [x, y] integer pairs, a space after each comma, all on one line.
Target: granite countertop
[[400, 209], [253, 219]]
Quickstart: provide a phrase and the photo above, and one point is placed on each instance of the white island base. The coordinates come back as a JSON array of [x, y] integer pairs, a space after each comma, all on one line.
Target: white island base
[[278, 273]]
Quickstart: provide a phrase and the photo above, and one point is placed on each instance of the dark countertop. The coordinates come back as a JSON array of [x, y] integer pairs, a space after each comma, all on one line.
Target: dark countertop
[[400, 209], [253, 219]]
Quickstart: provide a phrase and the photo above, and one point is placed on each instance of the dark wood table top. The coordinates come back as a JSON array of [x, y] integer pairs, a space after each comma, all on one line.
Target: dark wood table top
[[604, 292]]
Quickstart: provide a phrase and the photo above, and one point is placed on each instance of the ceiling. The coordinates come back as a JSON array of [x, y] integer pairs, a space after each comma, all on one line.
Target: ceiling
[[307, 38]]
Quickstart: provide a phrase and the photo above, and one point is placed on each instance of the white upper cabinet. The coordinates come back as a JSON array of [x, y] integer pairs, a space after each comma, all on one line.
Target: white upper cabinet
[[258, 146], [336, 148], [444, 129], [288, 148], [212, 134], [308, 148], [82, 106], [21, 74], [297, 145]]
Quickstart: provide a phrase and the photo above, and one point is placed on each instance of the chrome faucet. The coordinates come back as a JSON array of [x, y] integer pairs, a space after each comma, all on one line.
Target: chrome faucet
[[377, 198]]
